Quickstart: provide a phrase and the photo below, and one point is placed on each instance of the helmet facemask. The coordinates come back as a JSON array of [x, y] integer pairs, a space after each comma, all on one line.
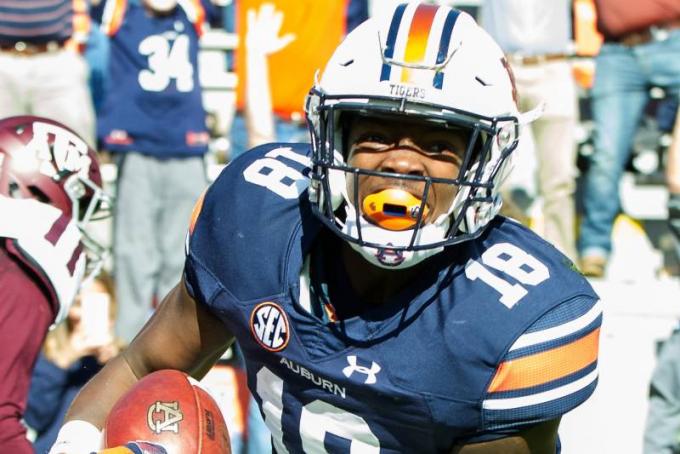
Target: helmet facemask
[[401, 234], [91, 204], [434, 64]]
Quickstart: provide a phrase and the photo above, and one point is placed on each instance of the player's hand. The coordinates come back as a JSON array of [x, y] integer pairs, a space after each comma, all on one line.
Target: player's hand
[[263, 27]]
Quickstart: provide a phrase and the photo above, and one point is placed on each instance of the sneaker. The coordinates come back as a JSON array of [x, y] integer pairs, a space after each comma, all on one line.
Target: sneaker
[[593, 266]]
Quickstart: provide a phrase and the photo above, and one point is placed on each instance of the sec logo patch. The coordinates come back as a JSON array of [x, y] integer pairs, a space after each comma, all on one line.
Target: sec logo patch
[[269, 326]]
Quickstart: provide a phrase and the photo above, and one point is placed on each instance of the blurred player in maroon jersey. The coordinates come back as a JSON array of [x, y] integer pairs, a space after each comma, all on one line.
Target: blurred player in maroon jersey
[[50, 188]]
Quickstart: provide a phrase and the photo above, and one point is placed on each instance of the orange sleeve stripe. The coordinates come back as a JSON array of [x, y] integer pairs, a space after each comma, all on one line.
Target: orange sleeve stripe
[[195, 13], [196, 212], [200, 18], [114, 22], [547, 366]]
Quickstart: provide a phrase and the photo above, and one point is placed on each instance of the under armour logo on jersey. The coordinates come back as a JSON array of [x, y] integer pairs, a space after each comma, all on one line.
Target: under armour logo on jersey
[[269, 326], [354, 367]]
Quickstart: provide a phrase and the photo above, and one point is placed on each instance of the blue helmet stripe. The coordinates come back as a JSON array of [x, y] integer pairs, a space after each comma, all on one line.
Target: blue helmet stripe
[[391, 40], [451, 18]]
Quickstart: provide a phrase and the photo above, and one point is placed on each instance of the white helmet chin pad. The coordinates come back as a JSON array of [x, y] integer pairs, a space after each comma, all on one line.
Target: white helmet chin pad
[[394, 258]]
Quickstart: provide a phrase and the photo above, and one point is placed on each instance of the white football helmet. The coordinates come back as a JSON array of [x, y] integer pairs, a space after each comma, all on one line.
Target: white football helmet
[[44, 160], [425, 62]]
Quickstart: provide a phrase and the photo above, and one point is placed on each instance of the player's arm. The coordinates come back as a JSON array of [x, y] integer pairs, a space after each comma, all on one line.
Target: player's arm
[[182, 334], [538, 439], [549, 370]]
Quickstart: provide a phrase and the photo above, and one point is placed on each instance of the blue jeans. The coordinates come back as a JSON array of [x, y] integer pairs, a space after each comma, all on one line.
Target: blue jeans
[[623, 77], [97, 56]]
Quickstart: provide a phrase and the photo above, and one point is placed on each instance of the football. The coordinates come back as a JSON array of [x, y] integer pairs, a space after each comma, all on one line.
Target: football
[[170, 409]]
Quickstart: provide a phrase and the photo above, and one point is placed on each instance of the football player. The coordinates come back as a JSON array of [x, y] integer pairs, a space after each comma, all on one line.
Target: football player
[[381, 302], [50, 189]]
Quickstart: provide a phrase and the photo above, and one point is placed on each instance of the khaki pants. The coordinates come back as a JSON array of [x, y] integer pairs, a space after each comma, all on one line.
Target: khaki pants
[[52, 85], [154, 200], [552, 139]]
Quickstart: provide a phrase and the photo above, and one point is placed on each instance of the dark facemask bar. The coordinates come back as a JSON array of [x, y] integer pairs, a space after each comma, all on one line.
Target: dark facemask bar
[[479, 126]]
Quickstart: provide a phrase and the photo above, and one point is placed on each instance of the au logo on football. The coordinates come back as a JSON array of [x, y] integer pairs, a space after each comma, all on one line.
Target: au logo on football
[[164, 417]]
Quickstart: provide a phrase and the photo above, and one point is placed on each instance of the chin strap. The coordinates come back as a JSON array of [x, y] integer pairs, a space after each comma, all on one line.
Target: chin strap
[[532, 115]]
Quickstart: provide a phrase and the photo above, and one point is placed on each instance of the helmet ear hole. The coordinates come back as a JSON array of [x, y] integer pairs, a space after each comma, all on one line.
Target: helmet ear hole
[[39, 195], [14, 190]]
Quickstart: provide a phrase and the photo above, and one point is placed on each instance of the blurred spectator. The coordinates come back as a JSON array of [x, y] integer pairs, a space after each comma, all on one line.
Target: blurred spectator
[[46, 201], [97, 56], [152, 119], [262, 39], [536, 37], [663, 415], [662, 431], [666, 114], [309, 32], [73, 352], [39, 73], [673, 178], [640, 50]]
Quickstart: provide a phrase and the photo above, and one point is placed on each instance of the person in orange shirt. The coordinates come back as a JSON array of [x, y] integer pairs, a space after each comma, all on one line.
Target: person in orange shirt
[[309, 32]]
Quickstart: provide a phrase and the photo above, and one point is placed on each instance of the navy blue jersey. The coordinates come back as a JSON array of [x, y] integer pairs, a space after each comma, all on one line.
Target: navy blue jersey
[[153, 104], [497, 334]]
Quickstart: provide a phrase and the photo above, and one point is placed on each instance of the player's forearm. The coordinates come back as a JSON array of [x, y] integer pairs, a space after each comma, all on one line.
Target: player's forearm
[[258, 107], [100, 394]]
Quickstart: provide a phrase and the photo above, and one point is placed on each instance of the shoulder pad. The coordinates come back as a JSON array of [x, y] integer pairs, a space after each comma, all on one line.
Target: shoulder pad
[[49, 242], [242, 231]]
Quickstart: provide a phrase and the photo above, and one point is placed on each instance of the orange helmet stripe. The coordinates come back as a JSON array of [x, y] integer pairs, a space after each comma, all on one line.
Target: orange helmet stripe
[[418, 36]]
